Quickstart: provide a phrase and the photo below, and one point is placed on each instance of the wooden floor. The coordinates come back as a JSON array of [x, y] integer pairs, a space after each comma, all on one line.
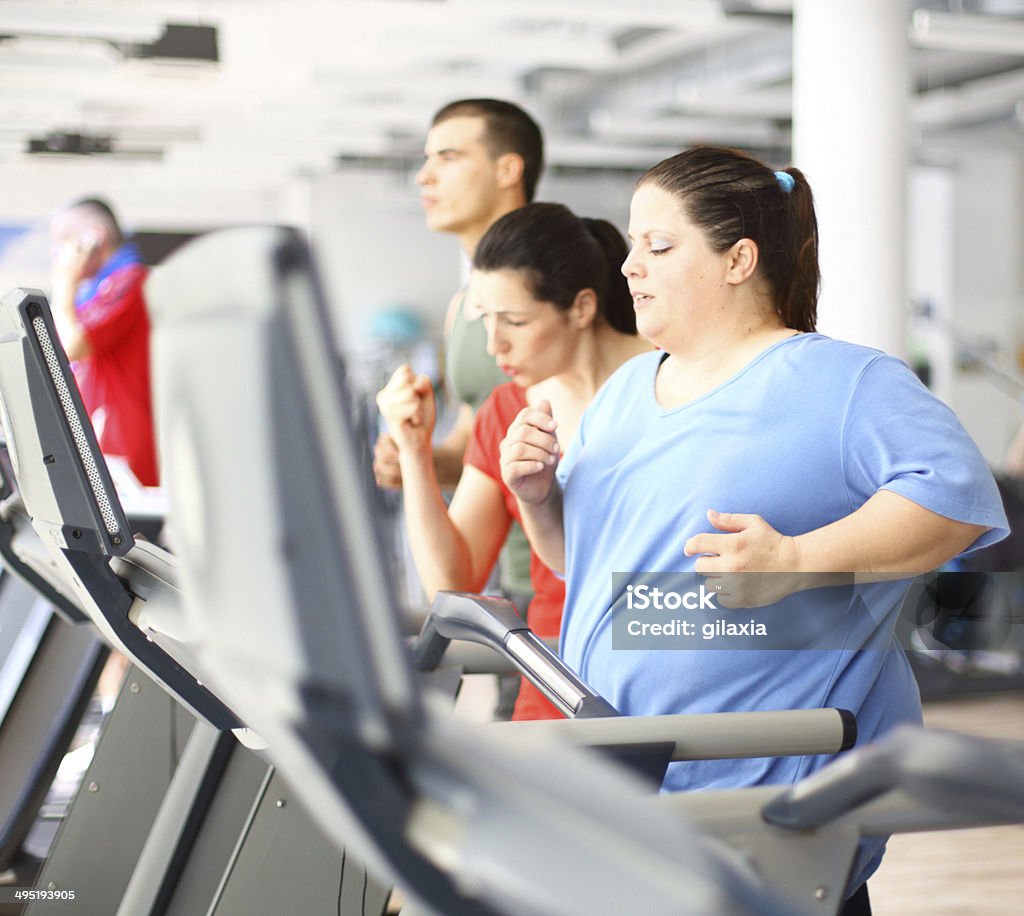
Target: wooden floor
[[960, 872]]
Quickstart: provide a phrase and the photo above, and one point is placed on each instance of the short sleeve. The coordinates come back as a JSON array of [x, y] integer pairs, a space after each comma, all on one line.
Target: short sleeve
[[116, 308], [898, 436]]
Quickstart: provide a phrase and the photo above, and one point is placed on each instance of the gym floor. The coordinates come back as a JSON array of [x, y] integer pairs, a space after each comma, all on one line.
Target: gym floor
[[960, 872]]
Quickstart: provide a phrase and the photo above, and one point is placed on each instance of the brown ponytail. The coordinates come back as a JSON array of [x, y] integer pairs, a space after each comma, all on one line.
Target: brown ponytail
[[731, 195]]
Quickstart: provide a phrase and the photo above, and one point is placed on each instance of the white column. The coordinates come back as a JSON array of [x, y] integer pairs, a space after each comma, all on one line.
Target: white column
[[850, 92]]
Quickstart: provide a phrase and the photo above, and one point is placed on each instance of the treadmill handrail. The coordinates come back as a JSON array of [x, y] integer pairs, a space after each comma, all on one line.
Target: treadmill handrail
[[25, 556], [474, 658], [936, 767], [150, 574], [495, 622], [711, 736]]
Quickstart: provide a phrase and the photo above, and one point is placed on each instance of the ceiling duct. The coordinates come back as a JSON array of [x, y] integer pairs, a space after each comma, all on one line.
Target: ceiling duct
[[969, 33], [777, 9], [68, 143], [71, 144]]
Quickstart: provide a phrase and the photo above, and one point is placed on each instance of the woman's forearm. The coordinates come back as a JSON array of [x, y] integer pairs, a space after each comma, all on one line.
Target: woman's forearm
[[543, 524], [442, 557], [888, 535]]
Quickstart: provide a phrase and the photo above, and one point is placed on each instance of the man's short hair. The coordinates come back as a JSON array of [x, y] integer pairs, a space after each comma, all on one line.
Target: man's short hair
[[102, 211], [507, 129]]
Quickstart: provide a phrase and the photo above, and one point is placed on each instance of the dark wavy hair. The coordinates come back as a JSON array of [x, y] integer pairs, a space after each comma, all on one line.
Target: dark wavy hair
[[731, 195], [559, 254]]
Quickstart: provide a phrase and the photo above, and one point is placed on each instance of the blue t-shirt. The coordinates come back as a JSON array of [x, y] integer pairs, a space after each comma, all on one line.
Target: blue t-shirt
[[802, 436]]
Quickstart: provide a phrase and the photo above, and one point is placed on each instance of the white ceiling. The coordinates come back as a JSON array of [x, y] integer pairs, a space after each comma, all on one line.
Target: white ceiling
[[303, 85]]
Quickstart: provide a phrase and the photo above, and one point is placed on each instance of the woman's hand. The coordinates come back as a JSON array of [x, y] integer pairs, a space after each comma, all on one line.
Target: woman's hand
[[529, 454], [751, 564], [407, 404], [386, 469]]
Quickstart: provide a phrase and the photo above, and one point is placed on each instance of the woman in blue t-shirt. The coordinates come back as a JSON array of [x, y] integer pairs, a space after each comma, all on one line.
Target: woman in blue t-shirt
[[747, 444]]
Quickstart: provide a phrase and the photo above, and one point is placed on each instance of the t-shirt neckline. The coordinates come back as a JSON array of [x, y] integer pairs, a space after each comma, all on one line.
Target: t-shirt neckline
[[669, 411]]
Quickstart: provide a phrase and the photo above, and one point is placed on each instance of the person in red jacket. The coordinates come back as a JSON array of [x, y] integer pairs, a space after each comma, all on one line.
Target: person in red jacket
[[100, 312]]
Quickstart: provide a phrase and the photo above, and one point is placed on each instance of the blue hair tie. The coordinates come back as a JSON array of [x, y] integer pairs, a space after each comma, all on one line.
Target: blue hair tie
[[785, 180]]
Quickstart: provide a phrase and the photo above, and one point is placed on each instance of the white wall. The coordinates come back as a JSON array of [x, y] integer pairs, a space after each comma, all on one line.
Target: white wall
[[604, 195], [930, 268], [965, 235], [375, 251], [988, 295]]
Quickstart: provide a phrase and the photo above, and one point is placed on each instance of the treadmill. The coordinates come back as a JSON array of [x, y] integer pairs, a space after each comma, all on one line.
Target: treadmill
[[198, 825], [49, 666], [174, 814], [288, 619], [298, 628]]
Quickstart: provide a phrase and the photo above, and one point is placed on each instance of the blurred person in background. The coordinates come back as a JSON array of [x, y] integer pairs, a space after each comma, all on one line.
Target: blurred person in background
[[100, 313]]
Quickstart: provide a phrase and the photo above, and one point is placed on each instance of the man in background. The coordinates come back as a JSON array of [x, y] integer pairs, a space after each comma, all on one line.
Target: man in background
[[100, 312], [483, 159]]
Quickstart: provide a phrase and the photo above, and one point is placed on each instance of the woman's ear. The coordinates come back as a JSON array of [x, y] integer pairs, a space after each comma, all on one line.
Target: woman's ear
[[584, 309], [741, 261]]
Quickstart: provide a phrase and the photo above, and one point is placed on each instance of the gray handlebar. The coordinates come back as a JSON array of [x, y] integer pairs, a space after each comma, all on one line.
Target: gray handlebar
[[495, 622], [941, 769]]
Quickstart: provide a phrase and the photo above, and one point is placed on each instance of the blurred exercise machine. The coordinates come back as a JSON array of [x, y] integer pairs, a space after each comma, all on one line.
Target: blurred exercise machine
[[48, 670], [174, 815], [191, 857]]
